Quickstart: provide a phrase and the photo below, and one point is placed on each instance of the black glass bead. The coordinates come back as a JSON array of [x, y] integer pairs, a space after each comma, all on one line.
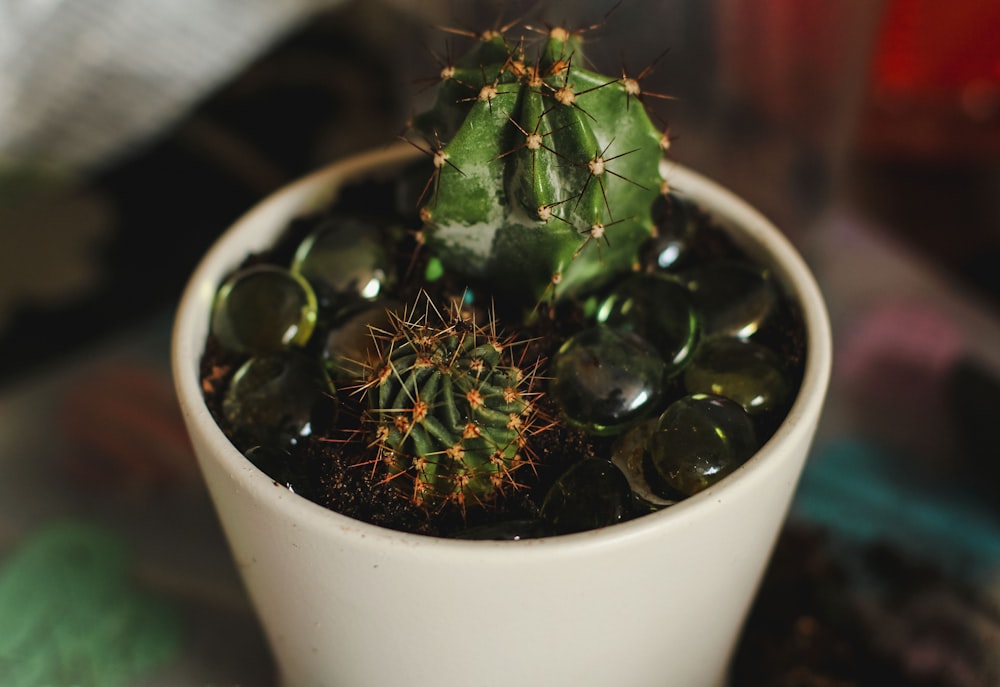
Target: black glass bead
[[659, 309], [604, 379], [733, 297], [349, 345], [507, 530], [273, 399], [278, 464], [590, 494], [676, 219]]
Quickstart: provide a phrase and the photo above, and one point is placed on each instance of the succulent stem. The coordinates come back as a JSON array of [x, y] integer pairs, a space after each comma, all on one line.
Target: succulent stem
[[534, 160]]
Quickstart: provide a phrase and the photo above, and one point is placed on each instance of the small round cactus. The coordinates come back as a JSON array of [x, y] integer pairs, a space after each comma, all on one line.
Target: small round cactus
[[450, 406], [544, 172]]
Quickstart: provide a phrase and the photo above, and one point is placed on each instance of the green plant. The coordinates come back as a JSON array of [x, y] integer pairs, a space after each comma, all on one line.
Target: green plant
[[545, 172], [543, 186], [544, 177], [450, 405]]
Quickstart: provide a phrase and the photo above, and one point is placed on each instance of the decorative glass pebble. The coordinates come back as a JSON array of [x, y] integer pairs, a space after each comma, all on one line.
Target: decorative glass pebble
[[507, 530], [344, 259], [659, 309], [278, 464], [592, 493], [629, 455], [604, 379], [263, 308], [699, 439], [349, 343], [733, 298], [744, 371], [676, 222], [273, 399], [597, 368]]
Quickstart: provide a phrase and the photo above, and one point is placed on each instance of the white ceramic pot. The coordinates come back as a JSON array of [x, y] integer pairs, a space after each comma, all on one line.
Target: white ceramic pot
[[656, 601]]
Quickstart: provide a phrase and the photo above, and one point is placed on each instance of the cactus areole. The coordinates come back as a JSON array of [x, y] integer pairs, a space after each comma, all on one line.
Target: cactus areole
[[544, 172]]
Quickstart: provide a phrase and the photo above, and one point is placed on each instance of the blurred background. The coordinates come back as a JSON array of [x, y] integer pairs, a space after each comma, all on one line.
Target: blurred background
[[132, 134]]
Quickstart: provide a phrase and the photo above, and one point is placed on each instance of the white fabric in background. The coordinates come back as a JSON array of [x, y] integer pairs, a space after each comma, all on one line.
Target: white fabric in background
[[82, 80]]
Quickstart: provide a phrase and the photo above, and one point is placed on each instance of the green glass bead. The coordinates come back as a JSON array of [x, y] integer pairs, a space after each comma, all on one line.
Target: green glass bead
[[263, 309], [676, 219], [592, 493], [629, 455], [604, 379], [733, 298], [275, 399], [345, 260], [744, 371], [659, 309], [699, 439]]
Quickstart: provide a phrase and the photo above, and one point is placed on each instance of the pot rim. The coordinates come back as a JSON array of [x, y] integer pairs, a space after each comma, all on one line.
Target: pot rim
[[318, 188]]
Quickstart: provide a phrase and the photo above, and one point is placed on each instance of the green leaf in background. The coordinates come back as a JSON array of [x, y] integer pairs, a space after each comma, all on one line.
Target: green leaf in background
[[71, 615]]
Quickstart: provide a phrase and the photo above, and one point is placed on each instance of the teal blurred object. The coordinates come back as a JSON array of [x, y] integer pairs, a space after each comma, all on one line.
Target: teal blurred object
[[868, 493], [72, 614]]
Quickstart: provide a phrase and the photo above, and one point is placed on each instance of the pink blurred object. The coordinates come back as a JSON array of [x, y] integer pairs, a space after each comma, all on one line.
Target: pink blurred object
[[917, 341], [893, 365]]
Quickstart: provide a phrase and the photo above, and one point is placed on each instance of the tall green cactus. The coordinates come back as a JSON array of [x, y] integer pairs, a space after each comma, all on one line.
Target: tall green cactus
[[544, 171], [450, 408]]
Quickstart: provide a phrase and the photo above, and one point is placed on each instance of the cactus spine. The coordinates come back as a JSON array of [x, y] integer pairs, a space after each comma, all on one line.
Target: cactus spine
[[544, 172], [450, 408]]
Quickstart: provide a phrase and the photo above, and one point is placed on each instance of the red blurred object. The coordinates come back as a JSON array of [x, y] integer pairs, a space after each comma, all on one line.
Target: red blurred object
[[124, 431], [798, 63], [934, 84]]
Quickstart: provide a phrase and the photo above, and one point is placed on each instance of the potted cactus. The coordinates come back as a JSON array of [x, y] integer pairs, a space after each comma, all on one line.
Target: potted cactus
[[530, 346]]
